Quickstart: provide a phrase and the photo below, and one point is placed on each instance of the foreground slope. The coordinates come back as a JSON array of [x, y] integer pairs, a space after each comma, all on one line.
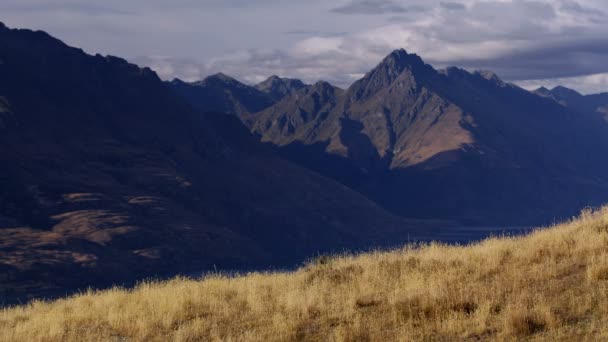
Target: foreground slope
[[551, 285], [107, 177]]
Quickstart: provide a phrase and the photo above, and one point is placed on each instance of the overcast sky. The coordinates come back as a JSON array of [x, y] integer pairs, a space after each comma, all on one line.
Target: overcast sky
[[529, 42]]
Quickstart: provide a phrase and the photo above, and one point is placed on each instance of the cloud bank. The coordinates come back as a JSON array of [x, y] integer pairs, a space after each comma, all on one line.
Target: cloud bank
[[524, 41]]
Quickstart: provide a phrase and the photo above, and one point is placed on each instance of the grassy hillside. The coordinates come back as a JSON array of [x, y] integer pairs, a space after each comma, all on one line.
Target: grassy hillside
[[550, 285]]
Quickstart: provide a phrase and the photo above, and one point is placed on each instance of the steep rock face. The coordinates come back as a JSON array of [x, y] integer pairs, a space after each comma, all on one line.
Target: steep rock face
[[108, 176], [447, 143]]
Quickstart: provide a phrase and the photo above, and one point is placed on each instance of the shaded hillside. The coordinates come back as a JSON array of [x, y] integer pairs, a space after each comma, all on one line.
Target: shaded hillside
[[107, 177], [549, 286], [447, 143]]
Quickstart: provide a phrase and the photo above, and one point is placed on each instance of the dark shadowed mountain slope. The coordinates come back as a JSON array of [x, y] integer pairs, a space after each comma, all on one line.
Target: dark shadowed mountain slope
[[278, 87], [448, 143], [221, 93], [107, 176]]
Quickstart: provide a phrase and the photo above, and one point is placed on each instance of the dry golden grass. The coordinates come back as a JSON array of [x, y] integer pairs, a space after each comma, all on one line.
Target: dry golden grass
[[551, 285]]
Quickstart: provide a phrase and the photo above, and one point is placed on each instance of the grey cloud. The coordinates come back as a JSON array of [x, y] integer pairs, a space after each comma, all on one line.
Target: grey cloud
[[83, 8], [316, 39], [370, 7], [412, 11], [453, 6], [333, 67], [519, 40], [254, 66], [592, 14], [169, 68], [567, 59], [529, 10], [575, 6], [309, 33], [538, 51], [135, 6]]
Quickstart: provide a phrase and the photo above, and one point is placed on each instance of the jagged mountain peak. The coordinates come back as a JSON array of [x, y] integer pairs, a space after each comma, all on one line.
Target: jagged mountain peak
[[278, 87], [388, 71], [177, 81], [220, 78], [452, 70], [273, 78], [490, 76], [324, 91], [323, 85], [400, 58], [542, 90], [398, 61], [562, 91]]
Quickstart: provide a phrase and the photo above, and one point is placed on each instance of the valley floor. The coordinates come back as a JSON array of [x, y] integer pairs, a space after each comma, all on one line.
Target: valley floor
[[549, 285]]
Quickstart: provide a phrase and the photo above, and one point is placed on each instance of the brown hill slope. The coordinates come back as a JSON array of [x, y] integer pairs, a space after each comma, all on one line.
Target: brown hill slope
[[549, 286]]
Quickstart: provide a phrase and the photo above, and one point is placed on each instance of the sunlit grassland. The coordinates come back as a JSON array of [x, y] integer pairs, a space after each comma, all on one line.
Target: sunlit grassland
[[550, 285]]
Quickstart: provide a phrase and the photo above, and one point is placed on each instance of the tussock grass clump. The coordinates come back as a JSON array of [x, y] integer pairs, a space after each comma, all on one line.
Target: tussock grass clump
[[550, 285]]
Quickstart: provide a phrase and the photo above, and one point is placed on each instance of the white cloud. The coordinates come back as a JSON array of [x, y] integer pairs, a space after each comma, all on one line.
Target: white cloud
[[169, 68]]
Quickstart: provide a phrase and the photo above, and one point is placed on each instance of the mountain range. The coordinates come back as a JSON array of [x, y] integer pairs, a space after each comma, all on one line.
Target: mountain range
[[447, 143], [110, 175]]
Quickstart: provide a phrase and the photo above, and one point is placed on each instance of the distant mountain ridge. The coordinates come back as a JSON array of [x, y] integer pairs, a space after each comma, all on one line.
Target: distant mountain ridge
[[595, 104], [446, 143], [224, 94]]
